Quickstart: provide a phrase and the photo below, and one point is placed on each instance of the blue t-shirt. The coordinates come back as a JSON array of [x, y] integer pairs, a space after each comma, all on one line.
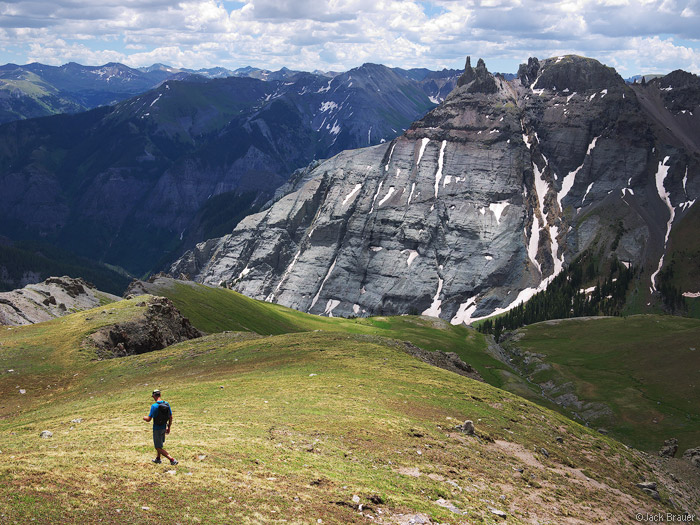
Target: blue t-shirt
[[154, 411]]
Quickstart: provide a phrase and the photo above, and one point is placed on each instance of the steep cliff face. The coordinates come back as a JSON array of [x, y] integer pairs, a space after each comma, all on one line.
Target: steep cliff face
[[476, 207]]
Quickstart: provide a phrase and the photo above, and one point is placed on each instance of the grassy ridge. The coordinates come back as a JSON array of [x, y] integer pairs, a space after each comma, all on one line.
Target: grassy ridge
[[218, 309], [289, 426], [645, 368]]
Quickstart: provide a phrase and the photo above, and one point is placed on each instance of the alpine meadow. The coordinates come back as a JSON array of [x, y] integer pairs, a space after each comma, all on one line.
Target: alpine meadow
[[349, 262]]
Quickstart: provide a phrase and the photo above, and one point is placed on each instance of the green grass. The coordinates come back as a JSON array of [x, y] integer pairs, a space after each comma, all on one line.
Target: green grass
[[284, 427], [646, 368], [218, 309]]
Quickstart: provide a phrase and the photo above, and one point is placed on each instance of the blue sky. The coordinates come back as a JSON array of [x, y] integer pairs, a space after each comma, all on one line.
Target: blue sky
[[644, 36]]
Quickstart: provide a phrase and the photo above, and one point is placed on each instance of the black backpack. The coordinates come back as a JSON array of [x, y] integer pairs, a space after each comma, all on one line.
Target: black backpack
[[163, 414]]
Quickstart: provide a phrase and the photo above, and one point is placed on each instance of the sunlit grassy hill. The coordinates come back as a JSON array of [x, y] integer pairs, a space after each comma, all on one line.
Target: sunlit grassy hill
[[295, 427], [644, 368]]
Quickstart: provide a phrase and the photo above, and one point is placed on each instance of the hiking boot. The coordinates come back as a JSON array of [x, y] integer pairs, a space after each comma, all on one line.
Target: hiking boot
[[174, 461], [157, 460]]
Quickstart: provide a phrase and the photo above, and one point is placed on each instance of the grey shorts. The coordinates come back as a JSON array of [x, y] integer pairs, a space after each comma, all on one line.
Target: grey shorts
[[158, 437]]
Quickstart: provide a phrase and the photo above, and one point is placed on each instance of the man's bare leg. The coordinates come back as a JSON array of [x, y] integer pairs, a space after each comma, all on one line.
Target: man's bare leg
[[163, 452]]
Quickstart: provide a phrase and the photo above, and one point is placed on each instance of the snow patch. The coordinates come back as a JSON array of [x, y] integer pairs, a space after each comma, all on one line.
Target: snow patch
[[386, 168], [661, 174], [534, 243], [424, 143], [330, 305], [387, 196], [434, 310], [497, 209], [327, 106], [568, 182], [379, 189], [412, 254], [330, 270], [438, 173], [327, 88], [413, 187], [353, 192]]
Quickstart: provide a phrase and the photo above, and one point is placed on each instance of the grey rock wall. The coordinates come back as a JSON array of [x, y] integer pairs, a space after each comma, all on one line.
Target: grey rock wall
[[476, 207]]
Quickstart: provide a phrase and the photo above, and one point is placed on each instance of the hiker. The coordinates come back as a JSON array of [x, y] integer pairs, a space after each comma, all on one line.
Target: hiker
[[162, 416]]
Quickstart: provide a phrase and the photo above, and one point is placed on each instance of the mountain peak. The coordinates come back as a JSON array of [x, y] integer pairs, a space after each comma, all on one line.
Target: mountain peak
[[568, 72]]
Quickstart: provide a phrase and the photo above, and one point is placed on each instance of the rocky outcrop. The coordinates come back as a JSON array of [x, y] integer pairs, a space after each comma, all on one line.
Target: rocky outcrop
[[160, 325], [476, 207], [693, 455], [477, 80], [55, 297], [669, 449], [445, 360]]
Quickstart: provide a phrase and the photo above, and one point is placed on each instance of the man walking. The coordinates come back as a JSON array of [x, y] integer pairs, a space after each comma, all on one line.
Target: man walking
[[162, 417]]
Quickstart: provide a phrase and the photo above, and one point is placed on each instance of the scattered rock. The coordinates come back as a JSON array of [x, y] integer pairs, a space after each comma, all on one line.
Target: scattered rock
[[467, 427], [171, 472], [78, 420], [376, 499], [544, 452], [46, 434], [559, 439], [356, 499], [647, 485], [449, 506], [602, 431], [650, 488], [22, 391], [669, 449], [498, 513], [201, 457]]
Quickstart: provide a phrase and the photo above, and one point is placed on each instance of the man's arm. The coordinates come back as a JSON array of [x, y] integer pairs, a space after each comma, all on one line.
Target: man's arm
[[170, 422], [150, 415]]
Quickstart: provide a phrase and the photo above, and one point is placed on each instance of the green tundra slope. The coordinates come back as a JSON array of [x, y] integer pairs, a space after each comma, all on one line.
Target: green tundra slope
[[218, 309], [636, 376], [341, 427]]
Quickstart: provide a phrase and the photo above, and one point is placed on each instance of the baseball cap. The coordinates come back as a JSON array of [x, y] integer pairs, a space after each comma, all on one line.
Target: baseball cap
[[156, 392]]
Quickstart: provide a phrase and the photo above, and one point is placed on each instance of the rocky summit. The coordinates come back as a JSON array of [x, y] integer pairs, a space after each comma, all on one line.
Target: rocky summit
[[480, 204]]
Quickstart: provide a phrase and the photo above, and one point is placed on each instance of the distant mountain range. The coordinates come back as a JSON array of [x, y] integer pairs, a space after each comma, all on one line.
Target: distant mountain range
[[38, 90], [131, 184]]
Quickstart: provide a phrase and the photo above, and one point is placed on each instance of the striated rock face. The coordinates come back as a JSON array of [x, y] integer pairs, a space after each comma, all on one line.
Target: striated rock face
[[55, 297], [476, 207]]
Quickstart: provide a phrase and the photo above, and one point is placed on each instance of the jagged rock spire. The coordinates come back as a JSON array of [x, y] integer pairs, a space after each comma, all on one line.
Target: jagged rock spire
[[469, 75], [478, 80], [527, 73]]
